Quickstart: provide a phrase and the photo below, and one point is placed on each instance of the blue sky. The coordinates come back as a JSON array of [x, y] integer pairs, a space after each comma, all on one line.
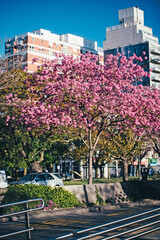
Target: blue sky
[[85, 18]]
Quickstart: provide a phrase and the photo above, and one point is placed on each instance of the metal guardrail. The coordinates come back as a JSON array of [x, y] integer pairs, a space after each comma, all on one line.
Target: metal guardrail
[[79, 234], [26, 212]]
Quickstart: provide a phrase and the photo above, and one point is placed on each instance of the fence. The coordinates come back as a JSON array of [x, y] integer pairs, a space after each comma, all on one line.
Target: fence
[[26, 212]]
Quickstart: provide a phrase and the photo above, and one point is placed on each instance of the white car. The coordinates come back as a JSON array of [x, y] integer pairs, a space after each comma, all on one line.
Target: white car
[[47, 179]]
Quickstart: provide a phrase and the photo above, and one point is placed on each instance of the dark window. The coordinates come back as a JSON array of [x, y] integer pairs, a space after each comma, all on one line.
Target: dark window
[[40, 177], [48, 177], [119, 50]]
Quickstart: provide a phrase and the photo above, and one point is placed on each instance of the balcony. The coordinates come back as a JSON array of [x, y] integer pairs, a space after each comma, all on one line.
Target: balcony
[[156, 79], [18, 52], [66, 50], [156, 51], [18, 43], [9, 45], [155, 60], [156, 69], [114, 27], [41, 52]]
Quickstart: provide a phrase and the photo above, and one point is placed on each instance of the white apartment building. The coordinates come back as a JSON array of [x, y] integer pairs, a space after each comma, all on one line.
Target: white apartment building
[[132, 35], [42, 44]]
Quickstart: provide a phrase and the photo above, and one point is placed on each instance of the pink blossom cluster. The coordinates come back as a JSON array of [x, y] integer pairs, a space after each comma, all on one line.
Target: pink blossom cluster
[[50, 205], [79, 92]]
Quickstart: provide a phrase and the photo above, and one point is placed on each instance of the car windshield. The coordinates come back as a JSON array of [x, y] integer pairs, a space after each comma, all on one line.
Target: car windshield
[[28, 177], [57, 175]]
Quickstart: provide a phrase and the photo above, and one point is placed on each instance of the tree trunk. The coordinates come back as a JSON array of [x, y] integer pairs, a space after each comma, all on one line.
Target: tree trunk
[[125, 171], [109, 176], [91, 148], [25, 171], [41, 157], [101, 171], [90, 166], [96, 172], [116, 168], [36, 167]]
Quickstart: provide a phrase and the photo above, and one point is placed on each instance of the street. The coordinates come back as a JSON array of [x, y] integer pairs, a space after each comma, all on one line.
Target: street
[[47, 228]]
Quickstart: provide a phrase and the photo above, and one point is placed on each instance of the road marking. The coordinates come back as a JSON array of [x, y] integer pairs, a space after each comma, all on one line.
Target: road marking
[[63, 221], [115, 214], [51, 223]]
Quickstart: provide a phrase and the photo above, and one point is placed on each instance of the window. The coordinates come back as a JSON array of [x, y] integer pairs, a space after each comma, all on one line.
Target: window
[[29, 177], [33, 38], [40, 177], [31, 47], [48, 176], [50, 44], [119, 50]]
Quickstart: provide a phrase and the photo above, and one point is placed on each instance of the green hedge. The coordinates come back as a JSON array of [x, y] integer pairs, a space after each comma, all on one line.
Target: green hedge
[[53, 197]]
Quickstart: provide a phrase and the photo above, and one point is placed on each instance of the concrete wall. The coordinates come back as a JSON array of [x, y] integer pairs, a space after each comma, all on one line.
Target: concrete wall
[[87, 193], [116, 192]]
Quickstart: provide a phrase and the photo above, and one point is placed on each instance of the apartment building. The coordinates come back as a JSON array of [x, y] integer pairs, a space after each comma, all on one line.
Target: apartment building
[[132, 36], [42, 44]]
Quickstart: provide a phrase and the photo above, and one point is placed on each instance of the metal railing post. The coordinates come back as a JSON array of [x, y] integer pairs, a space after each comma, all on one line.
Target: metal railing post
[[26, 211], [28, 234]]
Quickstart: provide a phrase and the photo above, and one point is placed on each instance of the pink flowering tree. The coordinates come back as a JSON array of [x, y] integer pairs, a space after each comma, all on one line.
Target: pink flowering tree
[[86, 98]]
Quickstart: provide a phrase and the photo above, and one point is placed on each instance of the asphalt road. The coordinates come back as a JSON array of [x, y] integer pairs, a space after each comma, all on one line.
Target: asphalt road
[[50, 227]]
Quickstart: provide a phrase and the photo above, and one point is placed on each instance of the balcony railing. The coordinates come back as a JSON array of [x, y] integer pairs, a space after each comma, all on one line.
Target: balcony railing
[[155, 78], [156, 69], [155, 60], [156, 50], [18, 43]]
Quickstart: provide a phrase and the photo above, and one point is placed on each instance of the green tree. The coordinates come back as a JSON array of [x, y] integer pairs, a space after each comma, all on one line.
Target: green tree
[[126, 146], [55, 151]]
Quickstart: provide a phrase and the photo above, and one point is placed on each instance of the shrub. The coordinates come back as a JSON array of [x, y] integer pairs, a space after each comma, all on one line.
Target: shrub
[[53, 197]]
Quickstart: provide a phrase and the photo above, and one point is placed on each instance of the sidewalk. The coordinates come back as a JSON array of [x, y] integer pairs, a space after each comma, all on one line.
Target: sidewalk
[[59, 212]]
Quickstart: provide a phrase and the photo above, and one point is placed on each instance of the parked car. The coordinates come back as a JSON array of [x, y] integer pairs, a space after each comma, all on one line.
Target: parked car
[[3, 179], [47, 179]]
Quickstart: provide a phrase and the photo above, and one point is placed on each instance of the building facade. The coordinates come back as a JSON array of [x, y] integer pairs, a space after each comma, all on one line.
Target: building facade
[[132, 36], [42, 44]]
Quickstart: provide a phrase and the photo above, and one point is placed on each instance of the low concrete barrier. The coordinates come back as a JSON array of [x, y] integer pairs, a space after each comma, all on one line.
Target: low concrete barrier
[[116, 192], [112, 192], [3, 190]]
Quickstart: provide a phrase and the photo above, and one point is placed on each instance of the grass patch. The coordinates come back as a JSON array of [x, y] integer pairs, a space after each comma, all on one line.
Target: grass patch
[[97, 180]]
